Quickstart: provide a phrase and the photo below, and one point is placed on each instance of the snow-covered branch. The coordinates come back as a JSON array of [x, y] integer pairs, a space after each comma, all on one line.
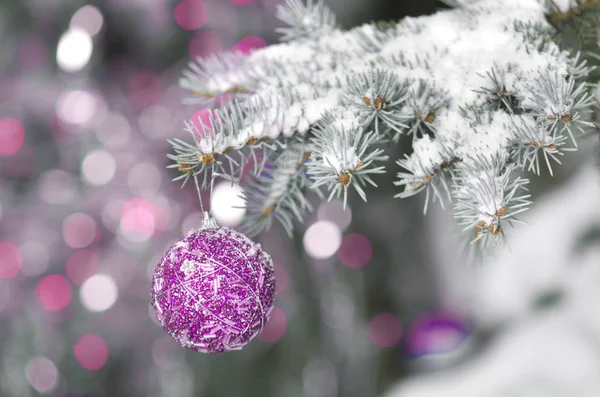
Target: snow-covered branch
[[482, 89]]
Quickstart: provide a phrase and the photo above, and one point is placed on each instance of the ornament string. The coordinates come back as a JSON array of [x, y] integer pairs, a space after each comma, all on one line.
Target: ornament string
[[199, 193]]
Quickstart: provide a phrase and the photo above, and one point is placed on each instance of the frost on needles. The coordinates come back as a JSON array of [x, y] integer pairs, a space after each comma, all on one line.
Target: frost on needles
[[482, 90]]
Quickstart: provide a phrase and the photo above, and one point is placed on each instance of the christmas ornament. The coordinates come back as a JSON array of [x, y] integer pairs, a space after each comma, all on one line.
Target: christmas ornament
[[213, 290]]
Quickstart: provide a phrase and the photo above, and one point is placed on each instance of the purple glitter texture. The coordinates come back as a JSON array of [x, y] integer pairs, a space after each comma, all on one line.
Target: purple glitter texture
[[213, 290]]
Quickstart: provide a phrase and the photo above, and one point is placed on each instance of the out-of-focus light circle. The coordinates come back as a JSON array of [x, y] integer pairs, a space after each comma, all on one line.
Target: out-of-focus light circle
[[32, 53], [144, 179], [79, 230], [338, 310], [12, 136], [204, 43], [74, 50], [57, 187], [385, 330], [54, 292], [242, 2], [249, 44], [334, 211], [156, 122], [89, 19], [81, 265], [320, 379], [91, 352], [322, 239], [138, 220], [76, 107], [35, 258], [114, 130], [11, 260], [99, 293], [41, 374], [98, 167], [111, 214], [356, 251], [190, 14], [166, 353], [226, 197], [275, 327]]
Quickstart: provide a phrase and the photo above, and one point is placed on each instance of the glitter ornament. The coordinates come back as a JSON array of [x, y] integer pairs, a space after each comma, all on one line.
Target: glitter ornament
[[213, 290]]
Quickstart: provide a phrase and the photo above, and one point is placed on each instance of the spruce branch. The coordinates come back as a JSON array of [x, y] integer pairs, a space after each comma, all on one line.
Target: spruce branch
[[378, 95], [420, 111], [486, 196], [482, 89], [213, 77], [429, 168], [530, 139], [278, 191], [559, 102], [309, 21], [342, 156]]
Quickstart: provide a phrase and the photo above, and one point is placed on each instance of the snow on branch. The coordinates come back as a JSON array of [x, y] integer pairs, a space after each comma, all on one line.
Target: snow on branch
[[483, 90]]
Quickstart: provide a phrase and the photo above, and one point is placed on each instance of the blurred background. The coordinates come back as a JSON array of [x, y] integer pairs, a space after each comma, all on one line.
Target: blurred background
[[372, 301]]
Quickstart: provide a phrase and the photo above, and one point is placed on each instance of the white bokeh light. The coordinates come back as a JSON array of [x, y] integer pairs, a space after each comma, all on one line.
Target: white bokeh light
[[114, 130], [35, 258], [74, 50], [88, 18], [41, 374], [225, 204], [76, 107], [98, 293], [144, 179], [322, 239], [156, 121], [98, 167]]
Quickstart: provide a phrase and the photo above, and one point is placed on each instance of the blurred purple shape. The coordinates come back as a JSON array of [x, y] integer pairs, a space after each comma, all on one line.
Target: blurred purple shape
[[356, 251], [435, 333], [249, 44]]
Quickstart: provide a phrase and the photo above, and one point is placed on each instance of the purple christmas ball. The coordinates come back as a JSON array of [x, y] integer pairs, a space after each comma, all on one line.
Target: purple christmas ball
[[213, 290]]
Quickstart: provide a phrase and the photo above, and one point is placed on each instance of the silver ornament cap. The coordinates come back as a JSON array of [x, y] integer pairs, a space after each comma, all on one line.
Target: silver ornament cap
[[208, 222]]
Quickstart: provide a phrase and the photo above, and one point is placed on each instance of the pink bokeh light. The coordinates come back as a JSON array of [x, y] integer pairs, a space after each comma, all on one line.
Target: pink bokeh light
[[32, 53], [249, 44], [356, 251], [54, 292], [385, 330], [138, 216], [144, 89], [10, 260], [79, 230], [91, 352], [12, 135], [275, 327], [204, 43], [81, 265], [190, 14]]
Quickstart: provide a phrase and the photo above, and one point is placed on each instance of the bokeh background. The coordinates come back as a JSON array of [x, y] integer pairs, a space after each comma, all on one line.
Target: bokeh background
[[372, 301]]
